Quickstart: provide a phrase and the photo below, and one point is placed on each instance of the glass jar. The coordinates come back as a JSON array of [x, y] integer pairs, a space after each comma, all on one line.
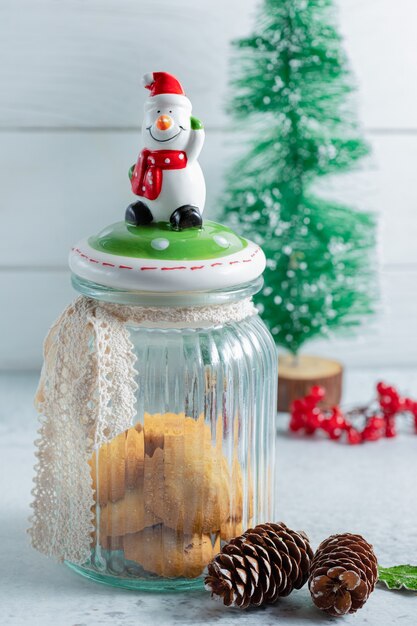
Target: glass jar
[[196, 467]]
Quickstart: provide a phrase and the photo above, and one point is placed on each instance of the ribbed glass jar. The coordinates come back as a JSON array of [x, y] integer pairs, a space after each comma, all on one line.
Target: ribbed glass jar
[[196, 468]]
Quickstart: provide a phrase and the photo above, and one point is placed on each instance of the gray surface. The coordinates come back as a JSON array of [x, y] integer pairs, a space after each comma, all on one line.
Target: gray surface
[[323, 488]]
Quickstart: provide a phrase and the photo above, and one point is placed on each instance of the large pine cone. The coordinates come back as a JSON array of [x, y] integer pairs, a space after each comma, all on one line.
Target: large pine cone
[[343, 574], [262, 565]]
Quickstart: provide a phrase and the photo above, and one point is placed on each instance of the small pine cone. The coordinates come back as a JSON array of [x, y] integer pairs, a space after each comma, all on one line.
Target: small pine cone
[[262, 565], [343, 574]]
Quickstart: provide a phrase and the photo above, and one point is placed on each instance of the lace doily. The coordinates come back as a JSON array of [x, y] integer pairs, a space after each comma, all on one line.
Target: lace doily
[[86, 396]]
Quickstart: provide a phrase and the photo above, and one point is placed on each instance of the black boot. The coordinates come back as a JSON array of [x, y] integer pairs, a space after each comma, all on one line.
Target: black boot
[[187, 216], [138, 214]]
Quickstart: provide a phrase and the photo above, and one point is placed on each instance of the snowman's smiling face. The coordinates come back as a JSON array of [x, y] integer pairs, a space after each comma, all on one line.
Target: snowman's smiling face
[[166, 122]]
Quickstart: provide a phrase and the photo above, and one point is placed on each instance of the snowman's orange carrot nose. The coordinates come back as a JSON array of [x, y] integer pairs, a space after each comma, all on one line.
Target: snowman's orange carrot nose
[[164, 122]]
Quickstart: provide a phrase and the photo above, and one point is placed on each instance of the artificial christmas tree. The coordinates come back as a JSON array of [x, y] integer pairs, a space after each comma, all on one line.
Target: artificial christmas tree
[[292, 88]]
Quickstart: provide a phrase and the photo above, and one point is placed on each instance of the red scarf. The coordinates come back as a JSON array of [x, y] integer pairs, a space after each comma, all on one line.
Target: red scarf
[[147, 175]]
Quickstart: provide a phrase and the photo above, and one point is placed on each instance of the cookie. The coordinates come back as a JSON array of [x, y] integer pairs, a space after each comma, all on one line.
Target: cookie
[[127, 515], [135, 457], [170, 470], [164, 552], [187, 495], [230, 529], [154, 432]]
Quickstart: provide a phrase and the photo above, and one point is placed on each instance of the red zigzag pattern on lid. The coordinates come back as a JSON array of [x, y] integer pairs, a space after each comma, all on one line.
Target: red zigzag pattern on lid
[[179, 267]]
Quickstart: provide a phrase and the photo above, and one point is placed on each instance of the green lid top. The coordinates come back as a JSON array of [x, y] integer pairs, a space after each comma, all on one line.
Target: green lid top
[[159, 241]]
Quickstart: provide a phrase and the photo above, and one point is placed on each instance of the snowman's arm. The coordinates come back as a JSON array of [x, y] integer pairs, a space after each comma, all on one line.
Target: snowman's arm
[[196, 140]]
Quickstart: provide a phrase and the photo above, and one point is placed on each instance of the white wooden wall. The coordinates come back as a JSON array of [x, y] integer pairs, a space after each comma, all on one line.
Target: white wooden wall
[[70, 111]]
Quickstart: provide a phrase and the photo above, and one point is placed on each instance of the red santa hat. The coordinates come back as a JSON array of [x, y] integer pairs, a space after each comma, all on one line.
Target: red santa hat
[[165, 89]]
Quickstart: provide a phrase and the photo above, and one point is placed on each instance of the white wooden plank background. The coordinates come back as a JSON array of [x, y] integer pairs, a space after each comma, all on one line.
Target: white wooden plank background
[[78, 62], [70, 112]]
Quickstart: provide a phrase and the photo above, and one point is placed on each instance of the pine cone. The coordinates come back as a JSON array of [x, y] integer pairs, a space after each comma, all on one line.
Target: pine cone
[[262, 565], [344, 572]]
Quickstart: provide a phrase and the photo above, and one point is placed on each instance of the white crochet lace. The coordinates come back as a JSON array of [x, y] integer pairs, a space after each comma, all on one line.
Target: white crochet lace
[[86, 396]]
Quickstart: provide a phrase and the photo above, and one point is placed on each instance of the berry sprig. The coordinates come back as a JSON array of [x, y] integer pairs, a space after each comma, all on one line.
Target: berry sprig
[[380, 416]]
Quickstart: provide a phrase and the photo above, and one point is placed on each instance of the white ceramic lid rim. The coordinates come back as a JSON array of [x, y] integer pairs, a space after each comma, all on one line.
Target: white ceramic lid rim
[[121, 272]]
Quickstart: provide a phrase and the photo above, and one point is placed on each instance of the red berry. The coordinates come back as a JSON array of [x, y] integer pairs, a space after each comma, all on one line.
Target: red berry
[[374, 429], [354, 436], [376, 423], [335, 434], [318, 392], [298, 405], [390, 430], [335, 424], [381, 388], [387, 390], [389, 405], [316, 418], [337, 420], [388, 397], [371, 434], [402, 404], [295, 425], [310, 402], [327, 423]]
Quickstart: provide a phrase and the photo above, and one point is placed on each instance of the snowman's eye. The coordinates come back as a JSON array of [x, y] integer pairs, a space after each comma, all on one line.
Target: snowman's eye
[[158, 111], [170, 111]]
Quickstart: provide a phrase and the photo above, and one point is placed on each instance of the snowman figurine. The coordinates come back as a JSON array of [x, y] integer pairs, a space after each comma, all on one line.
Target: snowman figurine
[[167, 176]]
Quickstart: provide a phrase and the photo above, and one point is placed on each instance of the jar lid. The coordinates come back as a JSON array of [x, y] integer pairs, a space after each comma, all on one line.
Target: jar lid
[[157, 258], [164, 245]]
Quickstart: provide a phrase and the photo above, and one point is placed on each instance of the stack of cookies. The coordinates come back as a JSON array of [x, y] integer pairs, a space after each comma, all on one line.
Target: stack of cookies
[[166, 494]]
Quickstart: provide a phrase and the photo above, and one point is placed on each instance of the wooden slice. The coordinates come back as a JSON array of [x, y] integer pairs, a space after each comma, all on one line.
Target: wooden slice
[[297, 374]]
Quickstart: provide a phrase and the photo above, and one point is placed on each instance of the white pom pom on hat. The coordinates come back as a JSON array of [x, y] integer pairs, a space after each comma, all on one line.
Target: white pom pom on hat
[[147, 79]]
